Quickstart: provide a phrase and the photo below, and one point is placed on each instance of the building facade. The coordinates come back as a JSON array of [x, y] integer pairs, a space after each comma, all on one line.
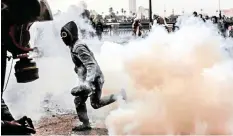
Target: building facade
[[132, 6]]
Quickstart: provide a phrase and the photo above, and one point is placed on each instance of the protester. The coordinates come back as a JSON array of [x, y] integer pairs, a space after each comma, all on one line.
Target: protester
[[99, 29], [90, 75], [137, 27]]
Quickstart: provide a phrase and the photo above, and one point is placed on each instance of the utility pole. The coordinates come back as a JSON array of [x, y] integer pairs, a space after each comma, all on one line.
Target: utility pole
[[219, 5], [150, 12]]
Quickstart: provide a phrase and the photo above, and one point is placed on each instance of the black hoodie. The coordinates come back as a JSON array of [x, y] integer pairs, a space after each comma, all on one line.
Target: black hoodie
[[86, 66]]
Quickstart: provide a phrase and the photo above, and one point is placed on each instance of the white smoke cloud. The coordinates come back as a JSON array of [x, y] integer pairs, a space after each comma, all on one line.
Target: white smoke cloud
[[180, 83]]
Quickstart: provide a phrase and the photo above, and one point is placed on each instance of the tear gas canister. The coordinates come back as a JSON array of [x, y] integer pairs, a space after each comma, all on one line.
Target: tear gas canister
[[26, 71]]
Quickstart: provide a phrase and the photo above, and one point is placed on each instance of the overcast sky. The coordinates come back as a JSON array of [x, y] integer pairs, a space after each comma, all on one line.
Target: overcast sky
[[208, 6]]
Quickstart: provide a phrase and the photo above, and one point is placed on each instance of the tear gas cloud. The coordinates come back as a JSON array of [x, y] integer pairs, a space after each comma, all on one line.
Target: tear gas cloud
[[178, 83]]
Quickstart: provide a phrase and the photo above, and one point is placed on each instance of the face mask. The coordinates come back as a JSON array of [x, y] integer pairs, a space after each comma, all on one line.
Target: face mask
[[67, 39]]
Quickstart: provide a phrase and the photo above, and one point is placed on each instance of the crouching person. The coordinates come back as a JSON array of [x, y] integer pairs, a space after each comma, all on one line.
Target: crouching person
[[89, 73]]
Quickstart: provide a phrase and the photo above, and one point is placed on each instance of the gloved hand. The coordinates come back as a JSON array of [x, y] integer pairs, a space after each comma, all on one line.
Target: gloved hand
[[22, 126], [84, 89]]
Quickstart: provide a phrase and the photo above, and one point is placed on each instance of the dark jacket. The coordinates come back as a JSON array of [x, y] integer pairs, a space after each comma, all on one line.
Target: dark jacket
[[99, 27], [86, 66]]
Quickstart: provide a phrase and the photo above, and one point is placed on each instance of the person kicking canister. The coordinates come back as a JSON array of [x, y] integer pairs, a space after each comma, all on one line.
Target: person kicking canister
[[90, 74]]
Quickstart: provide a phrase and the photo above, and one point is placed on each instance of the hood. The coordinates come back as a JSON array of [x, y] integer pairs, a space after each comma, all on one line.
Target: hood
[[71, 30]]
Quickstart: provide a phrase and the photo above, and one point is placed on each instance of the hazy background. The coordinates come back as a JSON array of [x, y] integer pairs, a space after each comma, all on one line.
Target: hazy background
[[208, 6]]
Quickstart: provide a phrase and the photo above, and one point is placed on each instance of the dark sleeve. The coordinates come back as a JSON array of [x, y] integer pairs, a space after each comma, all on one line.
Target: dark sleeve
[[88, 60], [6, 115]]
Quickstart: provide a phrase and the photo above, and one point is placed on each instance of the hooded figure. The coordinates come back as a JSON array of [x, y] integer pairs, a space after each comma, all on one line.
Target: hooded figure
[[195, 14], [99, 29], [137, 27], [201, 16], [89, 73]]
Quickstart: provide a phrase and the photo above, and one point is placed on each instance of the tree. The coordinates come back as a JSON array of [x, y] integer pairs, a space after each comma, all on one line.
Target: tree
[[117, 12], [122, 11]]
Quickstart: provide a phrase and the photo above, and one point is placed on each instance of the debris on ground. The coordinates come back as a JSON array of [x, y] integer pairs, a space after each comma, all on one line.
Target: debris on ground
[[63, 124]]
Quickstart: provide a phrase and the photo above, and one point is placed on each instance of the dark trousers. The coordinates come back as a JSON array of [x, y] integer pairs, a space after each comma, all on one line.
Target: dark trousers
[[96, 102], [99, 34]]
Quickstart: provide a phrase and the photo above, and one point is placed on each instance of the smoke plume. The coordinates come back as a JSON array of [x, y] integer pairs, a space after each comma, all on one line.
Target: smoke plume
[[179, 83]]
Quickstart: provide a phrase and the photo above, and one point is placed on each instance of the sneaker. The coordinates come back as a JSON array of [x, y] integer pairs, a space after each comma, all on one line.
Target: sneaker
[[82, 127]]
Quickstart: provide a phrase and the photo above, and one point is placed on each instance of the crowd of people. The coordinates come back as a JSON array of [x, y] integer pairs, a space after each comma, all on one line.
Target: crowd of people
[[224, 24], [225, 27]]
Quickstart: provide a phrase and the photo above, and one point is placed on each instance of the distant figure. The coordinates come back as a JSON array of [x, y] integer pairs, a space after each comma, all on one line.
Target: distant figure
[[85, 15], [195, 14], [92, 23], [200, 15], [161, 21], [214, 19], [137, 27], [99, 29], [207, 17]]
